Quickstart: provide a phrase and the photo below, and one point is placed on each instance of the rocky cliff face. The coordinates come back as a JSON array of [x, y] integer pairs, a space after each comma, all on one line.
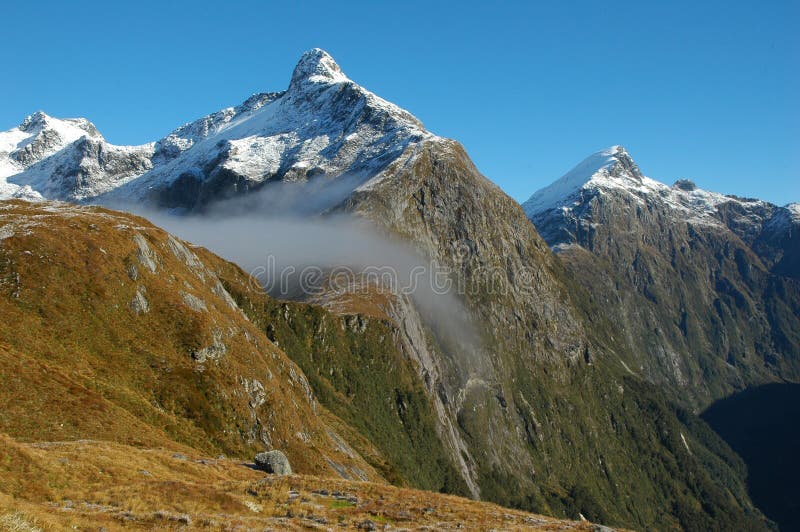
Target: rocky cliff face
[[704, 285], [545, 386]]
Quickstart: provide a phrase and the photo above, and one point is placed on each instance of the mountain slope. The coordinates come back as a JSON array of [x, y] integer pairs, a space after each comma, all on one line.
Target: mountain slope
[[115, 330], [704, 285], [357, 366], [543, 390], [80, 362], [45, 157], [120, 319]]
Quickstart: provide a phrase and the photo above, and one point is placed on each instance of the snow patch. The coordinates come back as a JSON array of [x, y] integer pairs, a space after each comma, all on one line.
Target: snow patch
[[591, 171], [794, 211]]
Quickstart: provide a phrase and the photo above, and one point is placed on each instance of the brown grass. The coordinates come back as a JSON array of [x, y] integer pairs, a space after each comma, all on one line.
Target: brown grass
[[102, 484], [77, 362]]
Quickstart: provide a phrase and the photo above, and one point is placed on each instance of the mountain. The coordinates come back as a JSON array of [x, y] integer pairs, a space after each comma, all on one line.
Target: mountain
[[545, 390], [704, 285], [323, 126], [45, 157], [124, 345], [517, 390]]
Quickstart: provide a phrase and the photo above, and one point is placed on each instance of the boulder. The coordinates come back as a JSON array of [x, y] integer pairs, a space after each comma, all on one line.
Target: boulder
[[274, 462]]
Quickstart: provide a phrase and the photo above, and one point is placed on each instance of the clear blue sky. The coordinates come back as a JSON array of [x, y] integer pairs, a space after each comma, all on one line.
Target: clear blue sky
[[703, 90]]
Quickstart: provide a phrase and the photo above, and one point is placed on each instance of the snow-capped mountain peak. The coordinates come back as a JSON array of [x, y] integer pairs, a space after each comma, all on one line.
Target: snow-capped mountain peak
[[39, 136], [70, 127], [611, 177], [317, 66], [323, 127], [609, 168], [614, 158], [34, 140], [794, 212], [614, 171]]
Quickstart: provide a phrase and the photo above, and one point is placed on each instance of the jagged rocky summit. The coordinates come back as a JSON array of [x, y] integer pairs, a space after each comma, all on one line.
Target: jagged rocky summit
[[323, 126]]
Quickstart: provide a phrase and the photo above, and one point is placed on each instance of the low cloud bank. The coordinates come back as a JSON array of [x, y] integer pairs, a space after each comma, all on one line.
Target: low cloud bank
[[278, 236]]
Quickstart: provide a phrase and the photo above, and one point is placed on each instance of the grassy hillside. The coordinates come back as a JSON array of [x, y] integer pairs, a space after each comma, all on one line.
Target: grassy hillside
[[114, 330]]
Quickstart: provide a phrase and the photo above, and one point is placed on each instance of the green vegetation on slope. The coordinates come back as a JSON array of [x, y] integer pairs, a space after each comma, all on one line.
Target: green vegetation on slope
[[761, 425], [596, 440], [353, 364]]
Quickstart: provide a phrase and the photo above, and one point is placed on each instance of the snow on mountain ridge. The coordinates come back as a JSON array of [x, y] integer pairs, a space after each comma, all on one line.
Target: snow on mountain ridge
[[85, 169], [794, 210], [70, 128], [39, 136], [35, 140], [185, 136], [608, 188], [613, 170], [324, 124], [608, 168]]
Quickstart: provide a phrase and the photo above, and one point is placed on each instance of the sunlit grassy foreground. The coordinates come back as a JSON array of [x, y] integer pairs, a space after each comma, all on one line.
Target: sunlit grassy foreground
[[93, 484]]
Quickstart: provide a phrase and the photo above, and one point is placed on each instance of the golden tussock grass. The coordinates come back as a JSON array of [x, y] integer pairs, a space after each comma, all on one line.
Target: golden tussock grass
[[94, 484]]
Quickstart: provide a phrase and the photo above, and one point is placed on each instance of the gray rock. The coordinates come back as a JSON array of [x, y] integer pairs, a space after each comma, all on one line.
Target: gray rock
[[194, 302], [139, 303], [273, 462], [145, 255], [133, 272], [215, 351], [220, 291], [685, 184], [183, 254]]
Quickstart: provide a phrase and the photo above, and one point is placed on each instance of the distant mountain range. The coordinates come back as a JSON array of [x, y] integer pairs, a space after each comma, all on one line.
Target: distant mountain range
[[592, 338]]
